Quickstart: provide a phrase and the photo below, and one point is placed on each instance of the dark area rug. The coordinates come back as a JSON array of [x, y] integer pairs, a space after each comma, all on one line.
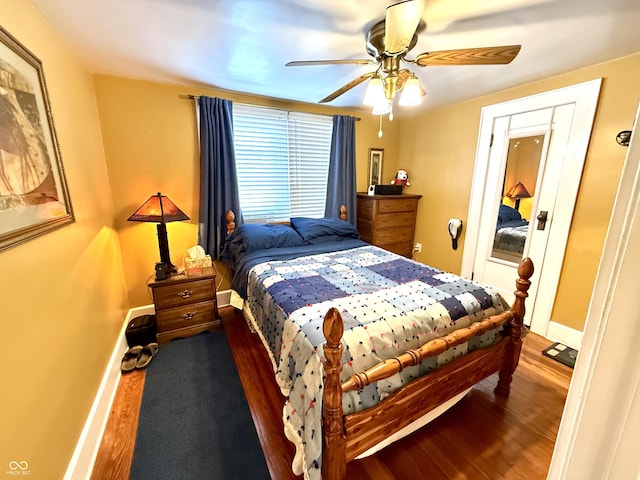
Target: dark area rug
[[195, 422], [562, 354]]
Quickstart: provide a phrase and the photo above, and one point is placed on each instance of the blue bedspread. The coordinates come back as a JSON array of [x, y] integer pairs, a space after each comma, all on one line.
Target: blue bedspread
[[239, 282], [389, 304]]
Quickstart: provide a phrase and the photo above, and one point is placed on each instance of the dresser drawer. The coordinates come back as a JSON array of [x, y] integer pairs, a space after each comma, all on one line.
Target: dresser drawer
[[402, 219], [185, 316], [401, 248], [397, 205], [173, 295], [393, 235]]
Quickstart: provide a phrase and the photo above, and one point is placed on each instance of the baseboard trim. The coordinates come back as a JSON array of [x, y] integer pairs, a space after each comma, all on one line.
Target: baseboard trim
[[84, 455], [563, 334]]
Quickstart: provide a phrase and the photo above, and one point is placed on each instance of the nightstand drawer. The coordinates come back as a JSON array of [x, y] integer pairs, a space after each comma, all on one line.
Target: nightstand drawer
[[173, 295], [185, 316]]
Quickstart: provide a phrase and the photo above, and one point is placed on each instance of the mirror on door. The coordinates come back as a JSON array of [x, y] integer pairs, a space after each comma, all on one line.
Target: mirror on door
[[518, 198]]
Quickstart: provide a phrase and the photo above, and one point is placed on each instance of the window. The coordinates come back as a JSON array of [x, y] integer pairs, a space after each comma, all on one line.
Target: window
[[282, 161]]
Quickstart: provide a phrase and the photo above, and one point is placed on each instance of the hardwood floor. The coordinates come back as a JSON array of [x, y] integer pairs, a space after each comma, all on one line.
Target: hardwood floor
[[482, 437]]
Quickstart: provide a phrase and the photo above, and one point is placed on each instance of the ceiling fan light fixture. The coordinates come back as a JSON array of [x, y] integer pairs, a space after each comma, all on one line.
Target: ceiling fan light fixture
[[411, 92], [375, 92], [382, 107]]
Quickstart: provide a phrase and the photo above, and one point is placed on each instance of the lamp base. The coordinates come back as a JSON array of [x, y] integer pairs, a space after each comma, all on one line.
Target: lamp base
[[163, 246]]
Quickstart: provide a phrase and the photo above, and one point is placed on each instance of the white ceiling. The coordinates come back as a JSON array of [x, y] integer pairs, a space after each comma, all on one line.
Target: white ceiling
[[243, 45]]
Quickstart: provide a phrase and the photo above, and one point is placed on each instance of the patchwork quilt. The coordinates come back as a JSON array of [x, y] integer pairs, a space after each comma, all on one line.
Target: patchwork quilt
[[388, 303], [511, 239]]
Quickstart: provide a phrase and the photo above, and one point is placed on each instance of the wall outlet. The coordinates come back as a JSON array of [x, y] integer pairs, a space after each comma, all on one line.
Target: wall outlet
[[417, 247]]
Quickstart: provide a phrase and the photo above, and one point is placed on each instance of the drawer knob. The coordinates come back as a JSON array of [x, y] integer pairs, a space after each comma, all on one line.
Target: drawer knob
[[185, 293], [188, 315]]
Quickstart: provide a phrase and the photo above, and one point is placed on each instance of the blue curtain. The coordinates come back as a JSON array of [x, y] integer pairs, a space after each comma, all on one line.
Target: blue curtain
[[218, 178], [341, 184]]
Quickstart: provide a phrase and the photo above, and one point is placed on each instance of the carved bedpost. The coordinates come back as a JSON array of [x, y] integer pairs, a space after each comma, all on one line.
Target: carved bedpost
[[343, 212], [230, 219], [514, 326], [334, 441]]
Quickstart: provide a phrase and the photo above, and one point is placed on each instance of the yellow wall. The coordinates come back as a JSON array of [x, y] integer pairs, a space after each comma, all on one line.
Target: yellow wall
[[63, 296], [438, 148], [150, 141]]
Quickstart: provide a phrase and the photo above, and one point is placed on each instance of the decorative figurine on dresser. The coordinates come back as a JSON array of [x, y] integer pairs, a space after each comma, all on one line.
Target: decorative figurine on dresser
[[388, 221]]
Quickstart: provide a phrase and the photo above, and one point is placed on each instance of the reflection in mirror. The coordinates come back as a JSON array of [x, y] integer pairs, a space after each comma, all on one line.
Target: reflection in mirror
[[518, 193]]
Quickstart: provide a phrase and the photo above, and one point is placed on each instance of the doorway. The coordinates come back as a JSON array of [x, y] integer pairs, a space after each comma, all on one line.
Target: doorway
[[529, 162]]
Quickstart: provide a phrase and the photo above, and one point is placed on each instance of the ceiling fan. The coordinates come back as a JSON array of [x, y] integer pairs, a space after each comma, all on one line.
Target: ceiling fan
[[388, 42]]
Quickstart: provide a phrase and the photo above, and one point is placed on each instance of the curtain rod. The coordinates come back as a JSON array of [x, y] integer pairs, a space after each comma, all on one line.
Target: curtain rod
[[197, 97]]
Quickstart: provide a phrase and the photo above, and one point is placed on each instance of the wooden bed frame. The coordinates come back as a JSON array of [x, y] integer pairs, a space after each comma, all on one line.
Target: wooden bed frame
[[347, 436]]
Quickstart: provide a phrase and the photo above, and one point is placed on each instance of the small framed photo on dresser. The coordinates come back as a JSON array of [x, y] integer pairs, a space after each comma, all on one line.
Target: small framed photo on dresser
[[375, 165]]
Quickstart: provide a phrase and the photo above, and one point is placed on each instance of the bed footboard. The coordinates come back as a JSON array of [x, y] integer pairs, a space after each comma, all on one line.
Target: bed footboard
[[346, 437]]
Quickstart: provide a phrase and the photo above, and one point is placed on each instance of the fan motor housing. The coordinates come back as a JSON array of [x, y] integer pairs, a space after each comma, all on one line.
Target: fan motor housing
[[375, 40]]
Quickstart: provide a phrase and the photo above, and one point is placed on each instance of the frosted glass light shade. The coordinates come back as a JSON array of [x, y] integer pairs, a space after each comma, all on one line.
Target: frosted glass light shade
[[375, 92], [382, 108], [411, 92]]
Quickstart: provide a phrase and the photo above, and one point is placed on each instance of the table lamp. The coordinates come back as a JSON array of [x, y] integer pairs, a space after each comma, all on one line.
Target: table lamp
[[517, 192], [158, 208]]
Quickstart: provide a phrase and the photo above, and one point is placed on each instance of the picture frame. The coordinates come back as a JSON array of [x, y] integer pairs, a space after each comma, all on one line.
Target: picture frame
[[34, 197], [376, 155]]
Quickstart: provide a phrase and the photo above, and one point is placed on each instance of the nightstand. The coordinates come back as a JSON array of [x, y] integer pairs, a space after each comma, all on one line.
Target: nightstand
[[186, 305]]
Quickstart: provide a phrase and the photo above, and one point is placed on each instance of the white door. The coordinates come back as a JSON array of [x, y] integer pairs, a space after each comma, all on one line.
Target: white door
[[530, 157]]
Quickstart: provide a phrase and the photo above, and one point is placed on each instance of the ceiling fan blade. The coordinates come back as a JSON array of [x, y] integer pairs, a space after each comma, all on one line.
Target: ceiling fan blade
[[348, 86], [304, 63], [401, 22], [469, 56], [402, 77]]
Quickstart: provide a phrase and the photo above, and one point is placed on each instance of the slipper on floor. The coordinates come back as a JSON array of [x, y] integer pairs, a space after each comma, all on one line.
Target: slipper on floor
[[147, 353], [130, 358]]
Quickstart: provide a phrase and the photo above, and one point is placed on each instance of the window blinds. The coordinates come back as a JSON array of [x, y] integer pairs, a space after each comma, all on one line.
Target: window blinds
[[282, 162]]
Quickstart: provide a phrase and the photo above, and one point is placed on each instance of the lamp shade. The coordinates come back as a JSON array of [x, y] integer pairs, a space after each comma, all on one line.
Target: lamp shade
[[375, 92], [158, 208], [382, 108], [518, 191], [411, 94]]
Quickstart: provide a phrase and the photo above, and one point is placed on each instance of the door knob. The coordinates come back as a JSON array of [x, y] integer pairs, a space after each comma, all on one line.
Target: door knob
[[542, 220]]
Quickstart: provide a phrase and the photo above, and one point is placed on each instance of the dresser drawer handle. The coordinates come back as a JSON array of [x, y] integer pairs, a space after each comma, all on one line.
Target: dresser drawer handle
[[185, 293], [188, 315]]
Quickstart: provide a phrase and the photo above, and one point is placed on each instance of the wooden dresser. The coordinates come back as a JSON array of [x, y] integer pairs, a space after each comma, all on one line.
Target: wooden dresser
[[186, 305], [388, 221]]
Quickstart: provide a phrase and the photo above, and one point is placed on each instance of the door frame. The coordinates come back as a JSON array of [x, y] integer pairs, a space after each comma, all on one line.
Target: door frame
[[597, 437], [585, 98]]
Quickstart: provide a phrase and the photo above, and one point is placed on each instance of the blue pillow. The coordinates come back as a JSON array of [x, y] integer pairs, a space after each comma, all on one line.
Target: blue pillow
[[321, 230], [508, 214], [250, 237]]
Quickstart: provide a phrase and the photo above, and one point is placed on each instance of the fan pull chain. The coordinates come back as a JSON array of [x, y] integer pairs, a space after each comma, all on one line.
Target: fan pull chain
[[380, 130]]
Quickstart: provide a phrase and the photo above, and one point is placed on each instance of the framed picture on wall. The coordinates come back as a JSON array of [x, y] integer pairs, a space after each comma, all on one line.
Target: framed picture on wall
[[375, 165], [34, 198]]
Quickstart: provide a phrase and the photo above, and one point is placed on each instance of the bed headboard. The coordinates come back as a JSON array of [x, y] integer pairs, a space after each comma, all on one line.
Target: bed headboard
[[230, 218]]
